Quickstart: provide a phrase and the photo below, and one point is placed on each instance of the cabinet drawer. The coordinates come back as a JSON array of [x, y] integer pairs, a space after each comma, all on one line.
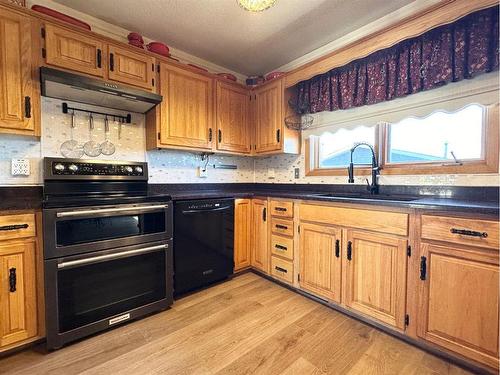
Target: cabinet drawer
[[482, 233], [282, 226], [379, 221], [17, 226], [282, 269], [282, 246], [282, 209]]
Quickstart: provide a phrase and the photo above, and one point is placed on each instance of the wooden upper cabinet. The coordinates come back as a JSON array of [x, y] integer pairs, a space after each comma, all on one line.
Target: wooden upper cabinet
[[18, 317], [375, 276], [131, 68], [74, 51], [320, 260], [459, 301], [233, 103], [186, 112], [242, 233], [17, 92], [268, 117], [260, 235]]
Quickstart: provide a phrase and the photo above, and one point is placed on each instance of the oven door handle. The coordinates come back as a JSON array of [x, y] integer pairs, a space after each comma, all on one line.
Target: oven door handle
[[100, 258], [110, 210]]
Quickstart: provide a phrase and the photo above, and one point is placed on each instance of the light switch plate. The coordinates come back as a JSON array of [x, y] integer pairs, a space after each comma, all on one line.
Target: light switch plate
[[20, 167]]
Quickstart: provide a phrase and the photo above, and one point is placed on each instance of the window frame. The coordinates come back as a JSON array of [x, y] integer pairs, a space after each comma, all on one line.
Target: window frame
[[489, 162]]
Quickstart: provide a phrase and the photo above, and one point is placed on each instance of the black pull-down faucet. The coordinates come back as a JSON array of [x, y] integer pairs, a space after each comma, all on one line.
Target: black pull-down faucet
[[373, 187]]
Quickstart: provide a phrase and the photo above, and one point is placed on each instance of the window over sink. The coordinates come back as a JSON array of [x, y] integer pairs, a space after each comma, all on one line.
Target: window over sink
[[455, 134]]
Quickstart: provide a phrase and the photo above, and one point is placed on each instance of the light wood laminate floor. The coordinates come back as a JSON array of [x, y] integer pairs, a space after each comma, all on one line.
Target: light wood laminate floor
[[248, 325]]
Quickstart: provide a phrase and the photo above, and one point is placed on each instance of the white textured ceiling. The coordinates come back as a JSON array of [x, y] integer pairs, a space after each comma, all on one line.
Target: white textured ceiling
[[222, 32]]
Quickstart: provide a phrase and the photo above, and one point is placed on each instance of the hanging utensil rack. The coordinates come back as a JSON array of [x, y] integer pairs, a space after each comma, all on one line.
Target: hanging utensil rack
[[127, 119]]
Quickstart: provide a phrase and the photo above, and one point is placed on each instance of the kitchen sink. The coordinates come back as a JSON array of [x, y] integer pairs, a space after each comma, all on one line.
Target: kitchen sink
[[360, 196]]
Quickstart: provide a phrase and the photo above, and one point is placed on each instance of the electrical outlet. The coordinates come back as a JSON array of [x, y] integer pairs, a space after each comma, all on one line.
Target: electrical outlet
[[202, 173], [297, 173], [270, 173], [20, 167]]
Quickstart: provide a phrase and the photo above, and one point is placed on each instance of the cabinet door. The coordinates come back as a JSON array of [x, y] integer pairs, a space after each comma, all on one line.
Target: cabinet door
[[131, 68], [16, 65], [376, 276], [459, 301], [74, 51], [320, 260], [242, 233], [232, 118], [269, 117], [18, 317], [186, 111], [260, 236]]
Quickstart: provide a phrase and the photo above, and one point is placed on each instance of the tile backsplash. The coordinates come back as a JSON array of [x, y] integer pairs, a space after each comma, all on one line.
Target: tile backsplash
[[167, 166]]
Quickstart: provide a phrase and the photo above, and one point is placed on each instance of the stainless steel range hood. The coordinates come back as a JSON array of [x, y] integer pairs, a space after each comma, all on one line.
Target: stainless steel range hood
[[72, 87]]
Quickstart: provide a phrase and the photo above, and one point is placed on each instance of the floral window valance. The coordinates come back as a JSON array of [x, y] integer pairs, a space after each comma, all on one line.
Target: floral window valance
[[450, 53]]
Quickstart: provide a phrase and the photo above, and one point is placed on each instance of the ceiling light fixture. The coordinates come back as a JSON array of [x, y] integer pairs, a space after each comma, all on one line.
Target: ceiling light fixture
[[256, 5]]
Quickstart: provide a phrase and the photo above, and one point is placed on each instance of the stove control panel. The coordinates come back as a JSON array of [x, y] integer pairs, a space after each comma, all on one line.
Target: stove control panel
[[82, 168]]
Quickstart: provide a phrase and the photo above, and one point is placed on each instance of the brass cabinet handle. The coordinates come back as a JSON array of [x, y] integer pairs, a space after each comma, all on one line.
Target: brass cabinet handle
[[279, 226], [281, 247], [281, 209], [337, 248]]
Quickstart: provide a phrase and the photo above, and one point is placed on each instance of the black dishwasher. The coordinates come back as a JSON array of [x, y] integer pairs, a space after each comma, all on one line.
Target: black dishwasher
[[203, 243]]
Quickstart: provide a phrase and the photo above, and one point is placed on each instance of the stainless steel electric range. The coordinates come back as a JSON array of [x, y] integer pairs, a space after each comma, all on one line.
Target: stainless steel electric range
[[107, 247]]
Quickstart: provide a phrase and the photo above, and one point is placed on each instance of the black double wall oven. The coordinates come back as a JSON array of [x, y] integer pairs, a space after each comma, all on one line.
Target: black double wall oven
[[108, 254]]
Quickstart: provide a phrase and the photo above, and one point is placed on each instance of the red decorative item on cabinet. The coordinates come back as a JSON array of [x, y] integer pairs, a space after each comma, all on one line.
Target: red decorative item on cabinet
[[159, 48], [61, 16]]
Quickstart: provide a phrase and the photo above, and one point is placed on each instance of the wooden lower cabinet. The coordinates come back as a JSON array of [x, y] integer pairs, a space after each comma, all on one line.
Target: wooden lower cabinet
[[18, 307], [242, 233], [260, 235], [459, 301], [375, 276], [320, 260]]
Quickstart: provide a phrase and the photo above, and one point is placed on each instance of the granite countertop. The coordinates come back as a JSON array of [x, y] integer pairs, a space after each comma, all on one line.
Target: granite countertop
[[458, 199], [425, 203]]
